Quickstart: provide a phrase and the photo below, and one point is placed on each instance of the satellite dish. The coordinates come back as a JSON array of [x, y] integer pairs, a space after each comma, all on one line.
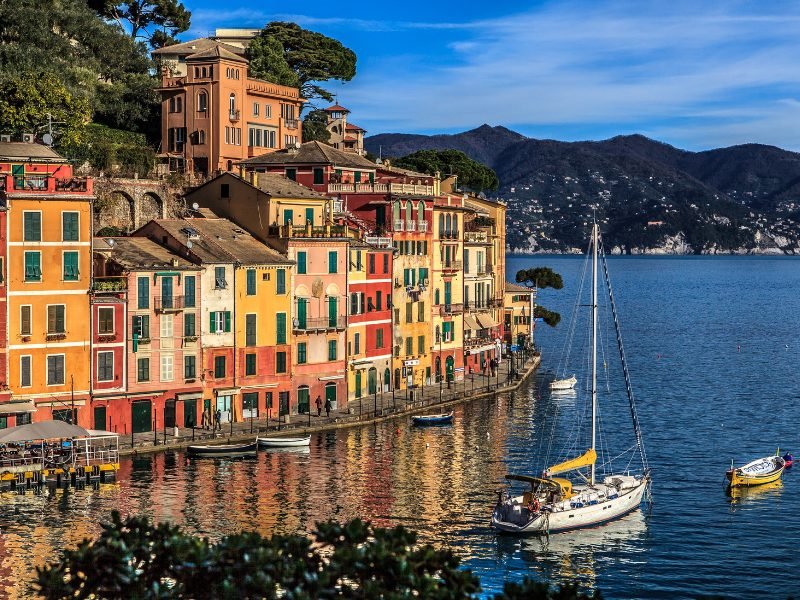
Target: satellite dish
[[317, 288], [195, 205], [47, 139]]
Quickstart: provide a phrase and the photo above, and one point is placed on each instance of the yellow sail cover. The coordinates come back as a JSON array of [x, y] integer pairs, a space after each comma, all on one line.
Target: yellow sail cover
[[584, 460]]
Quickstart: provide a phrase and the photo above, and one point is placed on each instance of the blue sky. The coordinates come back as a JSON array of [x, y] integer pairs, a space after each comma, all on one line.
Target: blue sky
[[697, 75]]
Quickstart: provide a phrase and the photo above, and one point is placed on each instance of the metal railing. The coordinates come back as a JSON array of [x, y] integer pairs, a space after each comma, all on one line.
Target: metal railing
[[110, 284], [378, 241], [410, 188], [452, 265], [399, 225], [377, 188], [167, 303], [422, 226], [476, 237], [290, 123], [319, 323], [234, 115], [451, 309]]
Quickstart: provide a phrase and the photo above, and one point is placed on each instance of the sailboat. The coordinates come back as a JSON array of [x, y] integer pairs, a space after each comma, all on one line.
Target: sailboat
[[553, 504]]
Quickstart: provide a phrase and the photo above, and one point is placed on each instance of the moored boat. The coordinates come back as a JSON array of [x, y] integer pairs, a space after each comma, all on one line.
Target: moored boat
[[788, 459], [284, 442], [440, 419], [564, 384], [756, 472], [223, 450]]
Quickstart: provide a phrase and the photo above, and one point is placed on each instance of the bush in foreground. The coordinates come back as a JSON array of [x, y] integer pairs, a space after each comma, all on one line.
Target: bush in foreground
[[133, 558]]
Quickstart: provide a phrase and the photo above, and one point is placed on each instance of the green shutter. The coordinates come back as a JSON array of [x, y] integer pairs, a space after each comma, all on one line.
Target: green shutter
[[189, 291], [302, 312], [69, 230], [213, 324], [70, 266], [227, 321], [357, 177], [332, 312], [332, 260], [143, 290], [280, 325], [310, 216], [251, 282], [301, 263], [32, 222], [280, 283], [33, 270]]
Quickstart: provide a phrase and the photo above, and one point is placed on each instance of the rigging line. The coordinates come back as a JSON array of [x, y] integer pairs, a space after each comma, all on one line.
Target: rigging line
[[620, 455], [566, 350], [629, 388]]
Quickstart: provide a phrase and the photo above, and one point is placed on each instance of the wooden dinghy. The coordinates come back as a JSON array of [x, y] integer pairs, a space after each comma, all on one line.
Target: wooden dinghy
[[441, 419], [284, 442], [757, 472], [223, 450]]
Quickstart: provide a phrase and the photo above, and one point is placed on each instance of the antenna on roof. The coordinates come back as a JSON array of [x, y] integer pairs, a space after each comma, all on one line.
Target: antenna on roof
[[380, 155]]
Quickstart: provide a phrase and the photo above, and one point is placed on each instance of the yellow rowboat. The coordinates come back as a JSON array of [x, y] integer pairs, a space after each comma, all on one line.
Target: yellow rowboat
[[758, 472]]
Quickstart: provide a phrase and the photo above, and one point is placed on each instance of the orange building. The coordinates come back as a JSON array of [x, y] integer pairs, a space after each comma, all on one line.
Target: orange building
[[214, 115], [49, 258]]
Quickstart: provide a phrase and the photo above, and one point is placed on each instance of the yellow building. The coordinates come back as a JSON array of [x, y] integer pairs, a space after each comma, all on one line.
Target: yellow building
[[517, 309], [49, 260]]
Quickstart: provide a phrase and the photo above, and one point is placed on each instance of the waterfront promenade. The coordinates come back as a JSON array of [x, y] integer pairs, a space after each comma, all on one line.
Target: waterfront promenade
[[368, 409]]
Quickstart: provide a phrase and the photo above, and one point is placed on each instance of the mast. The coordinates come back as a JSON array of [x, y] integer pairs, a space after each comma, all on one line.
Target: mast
[[594, 340]]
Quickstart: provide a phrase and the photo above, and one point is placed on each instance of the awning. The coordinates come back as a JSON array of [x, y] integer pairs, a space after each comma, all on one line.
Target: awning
[[189, 396], [46, 430], [10, 408], [471, 323], [227, 391], [486, 321]]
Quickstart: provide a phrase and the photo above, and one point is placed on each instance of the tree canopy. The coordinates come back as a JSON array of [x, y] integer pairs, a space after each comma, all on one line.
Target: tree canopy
[[315, 127], [154, 21], [541, 278], [287, 54], [471, 174], [134, 559]]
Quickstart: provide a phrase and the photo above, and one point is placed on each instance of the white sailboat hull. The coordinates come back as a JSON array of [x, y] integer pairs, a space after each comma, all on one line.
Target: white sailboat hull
[[564, 384], [600, 504]]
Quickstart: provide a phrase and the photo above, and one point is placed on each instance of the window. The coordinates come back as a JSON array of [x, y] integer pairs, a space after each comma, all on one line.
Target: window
[[280, 328], [33, 266], [250, 329], [25, 319], [219, 278], [319, 176], [189, 291], [55, 319], [143, 369], [55, 369], [421, 312], [301, 263], [220, 321], [143, 292], [141, 326], [251, 282], [250, 364], [167, 367], [69, 226], [409, 346], [189, 367], [201, 137], [105, 320], [371, 263], [385, 262], [232, 105], [32, 225], [378, 298], [202, 102], [280, 362], [256, 109], [421, 344], [333, 259], [353, 303], [220, 367], [357, 343], [189, 325], [25, 371], [105, 366], [409, 312], [71, 266], [250, 403], [302, 356], [166, 326], [332, 350], [280, 281], [379, 338]]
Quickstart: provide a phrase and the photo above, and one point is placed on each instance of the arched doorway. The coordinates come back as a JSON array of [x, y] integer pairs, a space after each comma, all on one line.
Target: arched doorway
[[330, 393], [372, 381], [397, 379], [450, 367], [115, 209], [438, 368], [387, 380], [303, 399], [150, 207], [358, 384]]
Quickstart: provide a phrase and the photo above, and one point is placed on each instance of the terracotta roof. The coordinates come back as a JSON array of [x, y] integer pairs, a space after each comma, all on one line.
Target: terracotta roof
[[25, 151], [516, 288], [140, 254], [220, 240], [217, 51], [401, 171], [354, 127], [350, 138], [314, 153], [196, 46], [279, 186], [337, 108]]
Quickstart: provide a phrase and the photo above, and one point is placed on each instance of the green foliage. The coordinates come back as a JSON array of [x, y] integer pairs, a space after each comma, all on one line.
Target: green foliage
[[315, 127], [135, 559], [157, 21], [310, 56], [106, 149], [471, 174], [550, 317], [540, 277]]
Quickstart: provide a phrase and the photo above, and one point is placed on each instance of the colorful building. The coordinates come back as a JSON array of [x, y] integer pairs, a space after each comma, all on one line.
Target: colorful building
[[48, 267], [518, 325], [345, 136], [214, 115]]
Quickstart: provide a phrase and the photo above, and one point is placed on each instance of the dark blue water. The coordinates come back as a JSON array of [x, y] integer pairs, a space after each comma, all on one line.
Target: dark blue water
[[713, 350]]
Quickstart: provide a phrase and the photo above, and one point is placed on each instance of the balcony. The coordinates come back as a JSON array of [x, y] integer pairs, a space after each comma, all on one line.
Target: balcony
[[168, 303], [399, 225], [319, 324], [234, 115], [448, 234], [476, 342], [378, 242], [445, 310], [290, 123], [357, 188], [45, 184], [307, 231], [411, 225], [410, 188], [422, 226], [110, 284], [476, 237], [452, 265]]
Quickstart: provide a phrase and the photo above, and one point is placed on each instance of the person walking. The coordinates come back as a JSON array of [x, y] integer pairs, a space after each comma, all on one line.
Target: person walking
[[318, 402], [218, 419], [328, 407]]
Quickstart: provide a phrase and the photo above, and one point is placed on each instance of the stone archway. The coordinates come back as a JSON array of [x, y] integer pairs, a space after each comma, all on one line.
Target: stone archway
[[151, 206], [115, 209]]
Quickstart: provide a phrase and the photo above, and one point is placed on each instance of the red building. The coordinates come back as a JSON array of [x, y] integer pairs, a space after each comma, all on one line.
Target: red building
[[5, 392]]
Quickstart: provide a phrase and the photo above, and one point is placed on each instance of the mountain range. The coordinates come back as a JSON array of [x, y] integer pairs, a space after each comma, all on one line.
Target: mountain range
[[649, 197]]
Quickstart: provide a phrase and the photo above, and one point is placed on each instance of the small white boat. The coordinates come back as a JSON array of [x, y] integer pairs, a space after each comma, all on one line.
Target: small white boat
[[284, 442], [564, 384]]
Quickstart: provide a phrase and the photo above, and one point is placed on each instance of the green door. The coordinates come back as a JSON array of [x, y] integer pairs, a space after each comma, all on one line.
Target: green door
[[141, 416], [449, 366], [18, 171], [303, 401], [372, 381], [288, 217], [166, 292], [332, 312], [358, 384], [302, 312], [310, 216], [189, 413], [100, 418], [169, 413], [330, 393]]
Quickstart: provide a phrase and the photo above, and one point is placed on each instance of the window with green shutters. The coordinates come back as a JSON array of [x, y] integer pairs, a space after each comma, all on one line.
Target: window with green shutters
[[409, 346], [220, 321], [71, 266], [189, 367], [378, 300], [69, 226], [301, 263], [250, 330], [250, 364], [189, 291], [280, 328], [354, 304], [357, 177], [423, 275], [333, 259], [220, 283], [143, 369], [421, 312], [447, 331], [141, 326], [302, 313], [421, 344], [309, 216], [280, 281], [33, 266], [409, 312], [333, 311], [331, 349], [251, 282], [302, 356], [318, 176], [379, 339], [280, 362], [220, 367], [32, 226], [143, 292]]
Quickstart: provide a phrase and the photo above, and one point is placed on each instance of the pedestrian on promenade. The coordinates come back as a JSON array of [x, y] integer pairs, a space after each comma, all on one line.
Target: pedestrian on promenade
[[218, 419], [318, 402], [328, 407], [493, 367], [204, 419]]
